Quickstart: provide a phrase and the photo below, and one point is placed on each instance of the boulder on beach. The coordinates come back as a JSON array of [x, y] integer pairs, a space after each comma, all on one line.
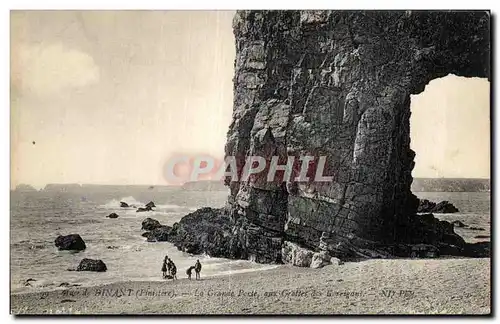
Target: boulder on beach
[[298, 256], [70, 242], [91, 265], [320, 259], [150, 205], [443, 207], [124, 204], [150, 224], [112, 215]]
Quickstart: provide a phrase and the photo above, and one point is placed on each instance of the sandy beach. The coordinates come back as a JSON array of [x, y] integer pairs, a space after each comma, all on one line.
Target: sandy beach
[[397, 286]]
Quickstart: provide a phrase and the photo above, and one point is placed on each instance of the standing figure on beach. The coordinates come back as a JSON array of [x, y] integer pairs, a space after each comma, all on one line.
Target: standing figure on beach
[[164, 268], [173, 271], [170, 263], [197, 269], [189, 271]]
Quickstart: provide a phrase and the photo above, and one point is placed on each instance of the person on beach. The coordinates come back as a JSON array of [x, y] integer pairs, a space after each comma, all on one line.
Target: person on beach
[[170, 263], [173, 271], [197, 269], [164, 269], [189, 271]]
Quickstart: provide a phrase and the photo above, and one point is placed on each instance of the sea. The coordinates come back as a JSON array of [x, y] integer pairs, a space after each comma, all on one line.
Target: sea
[[37, 218]]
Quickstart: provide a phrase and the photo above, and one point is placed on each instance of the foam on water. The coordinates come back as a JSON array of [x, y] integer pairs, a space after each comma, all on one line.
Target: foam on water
[[115, 203]]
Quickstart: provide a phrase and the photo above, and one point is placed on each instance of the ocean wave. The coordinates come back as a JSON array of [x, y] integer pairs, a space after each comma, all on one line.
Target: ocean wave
[[114, 203], [171, 206]]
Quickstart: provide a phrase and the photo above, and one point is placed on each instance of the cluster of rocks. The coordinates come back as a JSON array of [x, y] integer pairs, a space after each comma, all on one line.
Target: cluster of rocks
[[74, 242], [443, 207], [148, 207], [206, 230], [214, 232], [156, 231], [299, 256]]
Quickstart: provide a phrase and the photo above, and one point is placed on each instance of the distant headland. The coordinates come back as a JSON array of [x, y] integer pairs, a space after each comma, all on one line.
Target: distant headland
[[418, 185]]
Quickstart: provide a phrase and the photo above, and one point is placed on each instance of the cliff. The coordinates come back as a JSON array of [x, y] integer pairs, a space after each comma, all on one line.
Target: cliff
[[338, 84]]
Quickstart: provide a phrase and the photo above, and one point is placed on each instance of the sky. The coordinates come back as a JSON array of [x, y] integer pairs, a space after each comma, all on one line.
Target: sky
[[107, 97]]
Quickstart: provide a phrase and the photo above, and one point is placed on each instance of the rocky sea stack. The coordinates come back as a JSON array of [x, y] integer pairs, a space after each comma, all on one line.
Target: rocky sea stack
[[334, 84]]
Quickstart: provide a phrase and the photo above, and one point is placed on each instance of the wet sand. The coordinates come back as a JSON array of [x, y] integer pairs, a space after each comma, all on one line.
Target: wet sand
[[397, 286]]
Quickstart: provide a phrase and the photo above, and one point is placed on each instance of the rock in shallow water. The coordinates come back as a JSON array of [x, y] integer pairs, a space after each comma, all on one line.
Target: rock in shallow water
[[70, 242], [91, 265], [124, 204], [443, 207], [112, 215], [159, 234], [206, 230], [150, 224]]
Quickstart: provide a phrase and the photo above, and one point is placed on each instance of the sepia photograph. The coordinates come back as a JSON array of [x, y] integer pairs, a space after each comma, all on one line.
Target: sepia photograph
[[250, 162]]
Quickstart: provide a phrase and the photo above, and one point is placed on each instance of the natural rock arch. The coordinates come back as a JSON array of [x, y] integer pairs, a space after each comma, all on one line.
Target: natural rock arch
[[338, 84]]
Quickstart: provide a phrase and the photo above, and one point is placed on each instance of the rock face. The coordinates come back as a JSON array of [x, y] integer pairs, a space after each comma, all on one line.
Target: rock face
[[335, 84], [443, 207], [70, 242], [91, 265], [150, 224]]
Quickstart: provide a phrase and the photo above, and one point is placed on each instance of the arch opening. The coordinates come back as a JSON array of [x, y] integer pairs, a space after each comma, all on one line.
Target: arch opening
[[450, 128]]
